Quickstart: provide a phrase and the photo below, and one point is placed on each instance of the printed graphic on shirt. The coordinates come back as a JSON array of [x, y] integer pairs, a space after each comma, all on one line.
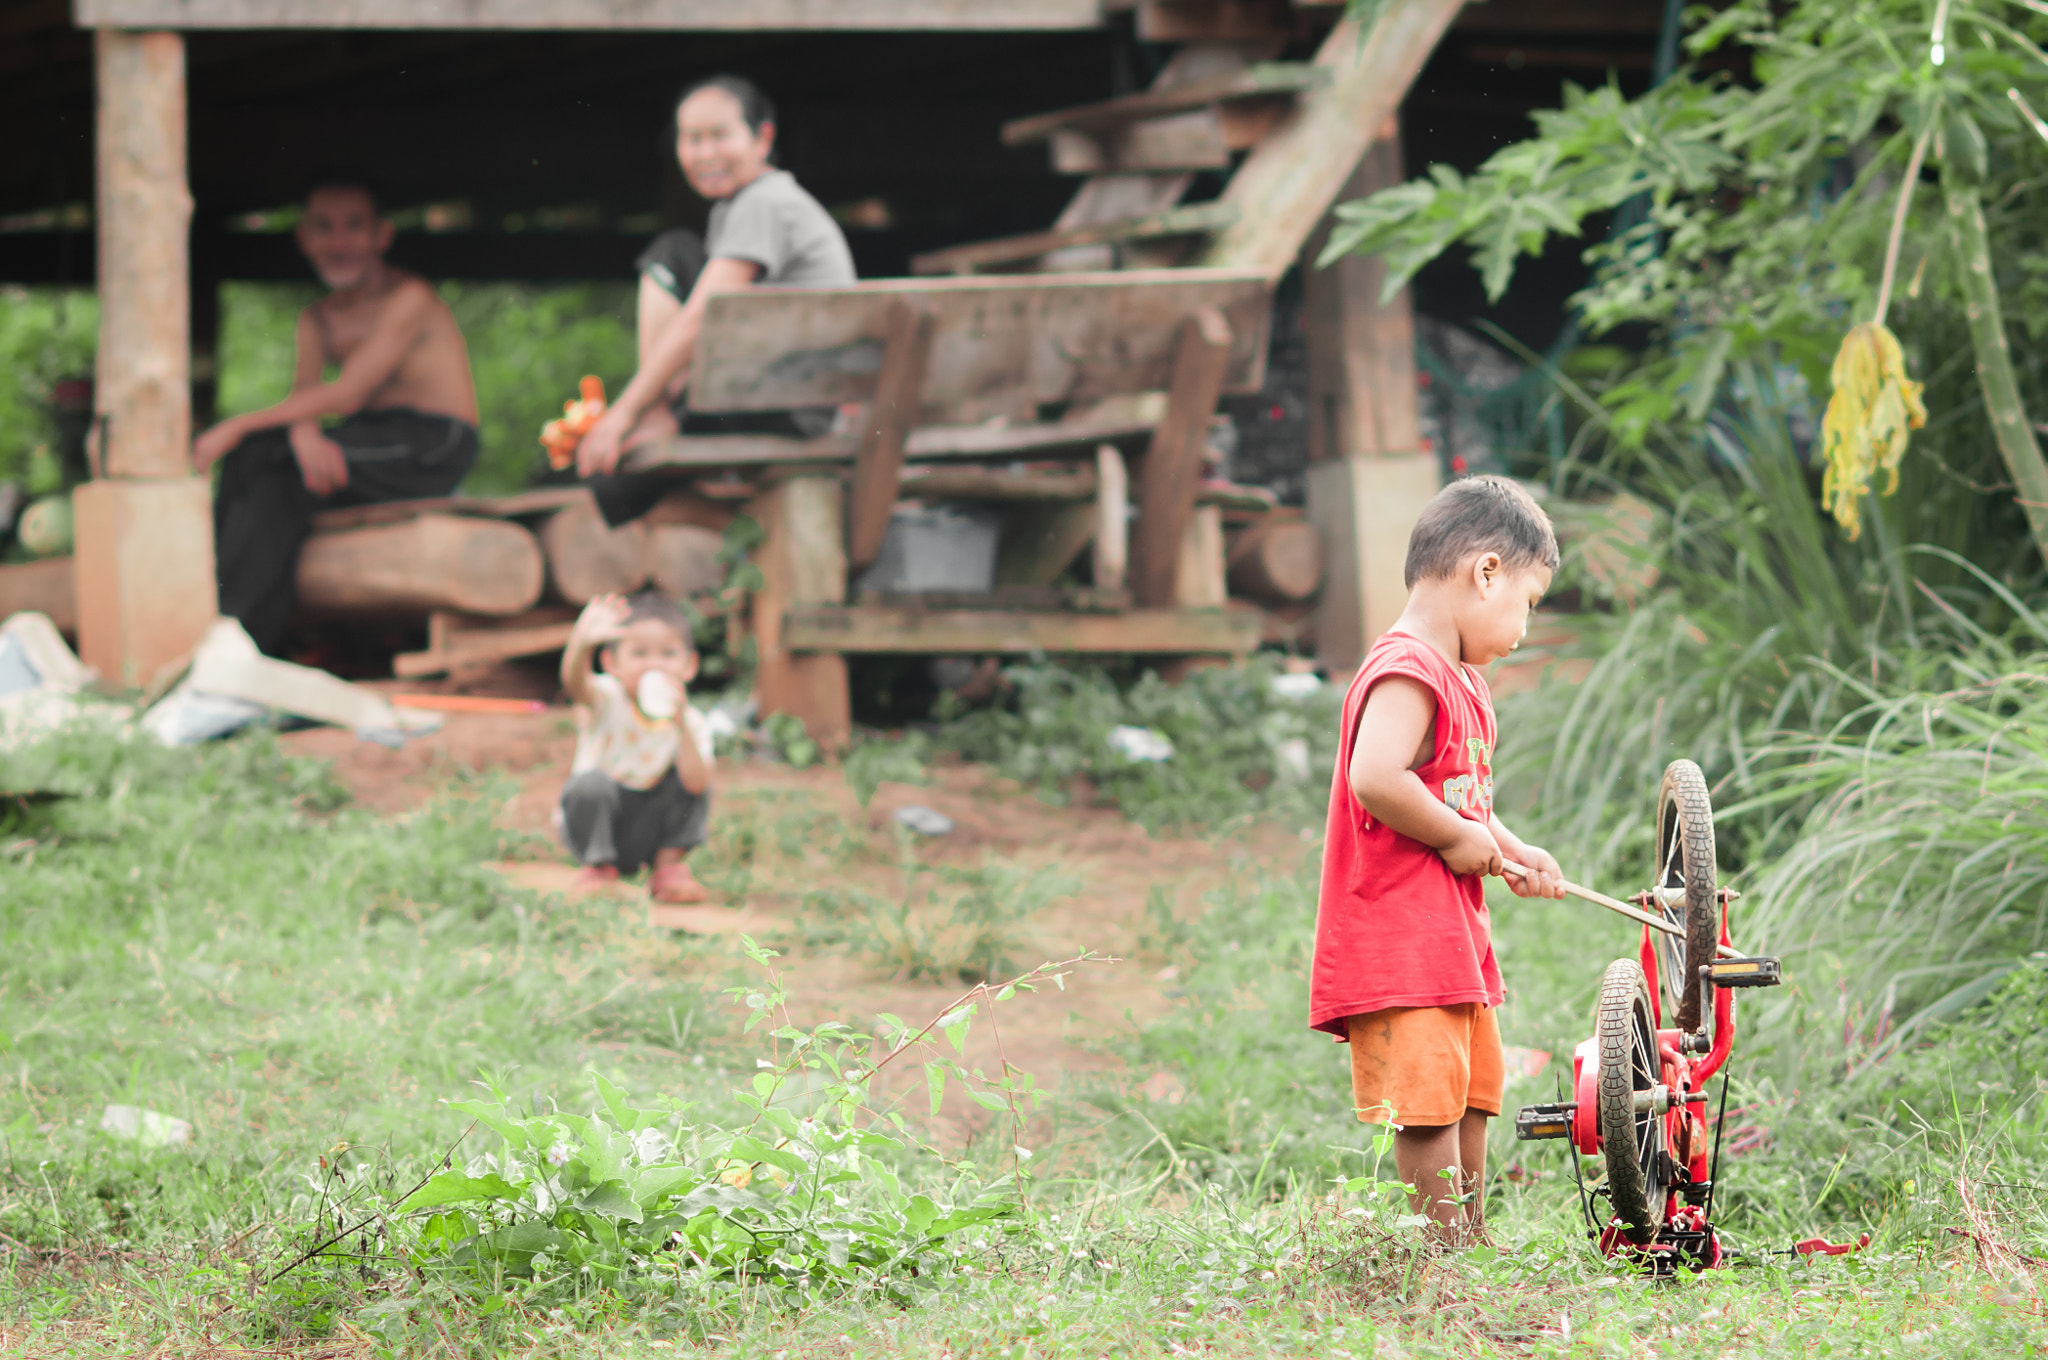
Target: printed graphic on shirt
[[1473, 792]]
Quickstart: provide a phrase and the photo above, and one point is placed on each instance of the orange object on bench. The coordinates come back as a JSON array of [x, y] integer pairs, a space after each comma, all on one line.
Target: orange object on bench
[[560, 437]]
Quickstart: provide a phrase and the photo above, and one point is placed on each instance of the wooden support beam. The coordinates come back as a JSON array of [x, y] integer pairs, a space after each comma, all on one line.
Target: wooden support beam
[[1198, 571], [956, 632], [1368, 475], [878, 464], [1173, 464], [1193, 219], [803, 564], [1181, 141], [473, 566], [1112, 518], [144, 572], [143, 392], [1289, 181], [1361, 353], [599, 15]]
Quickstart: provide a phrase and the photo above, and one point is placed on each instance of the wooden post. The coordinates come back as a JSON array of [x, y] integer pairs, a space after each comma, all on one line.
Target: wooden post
[[1368, 475], [803, 562], [1173, 462], [144, 528], [878, 465], [1112, 518]]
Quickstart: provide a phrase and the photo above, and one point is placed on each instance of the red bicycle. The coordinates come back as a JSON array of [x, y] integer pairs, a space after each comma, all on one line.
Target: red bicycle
[[1639, 1085]]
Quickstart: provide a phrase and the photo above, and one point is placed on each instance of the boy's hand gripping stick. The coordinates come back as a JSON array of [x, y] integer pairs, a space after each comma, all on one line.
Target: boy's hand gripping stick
[[1623, 908]]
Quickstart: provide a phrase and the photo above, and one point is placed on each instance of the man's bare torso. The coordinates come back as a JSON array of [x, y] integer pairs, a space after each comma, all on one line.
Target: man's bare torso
[[433, 375]]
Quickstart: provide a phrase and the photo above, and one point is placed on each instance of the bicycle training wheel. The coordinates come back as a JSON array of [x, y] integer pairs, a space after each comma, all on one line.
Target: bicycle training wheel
[[1631, 1140], [1687, 890]]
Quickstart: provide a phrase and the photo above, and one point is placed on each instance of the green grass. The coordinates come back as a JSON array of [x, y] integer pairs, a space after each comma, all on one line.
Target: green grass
[[216, 935]]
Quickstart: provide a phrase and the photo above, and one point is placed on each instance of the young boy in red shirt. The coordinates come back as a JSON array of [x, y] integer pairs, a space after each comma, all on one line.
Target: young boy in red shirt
[[1404, 967]]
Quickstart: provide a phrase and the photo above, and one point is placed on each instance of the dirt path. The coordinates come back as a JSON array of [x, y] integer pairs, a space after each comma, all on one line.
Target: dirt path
[[869, 917]]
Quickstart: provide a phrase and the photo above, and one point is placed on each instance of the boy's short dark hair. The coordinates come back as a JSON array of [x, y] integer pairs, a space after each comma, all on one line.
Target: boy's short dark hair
[[659, 608], [1476, 515], [337, 177]]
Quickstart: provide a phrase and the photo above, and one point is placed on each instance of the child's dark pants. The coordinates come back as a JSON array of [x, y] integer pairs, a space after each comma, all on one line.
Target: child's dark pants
[[604, 822]]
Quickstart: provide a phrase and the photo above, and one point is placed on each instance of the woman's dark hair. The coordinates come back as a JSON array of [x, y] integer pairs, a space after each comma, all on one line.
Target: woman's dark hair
[[755, 107]]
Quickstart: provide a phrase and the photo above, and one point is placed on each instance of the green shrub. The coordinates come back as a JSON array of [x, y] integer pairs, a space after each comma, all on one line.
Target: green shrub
[[1240, 747]]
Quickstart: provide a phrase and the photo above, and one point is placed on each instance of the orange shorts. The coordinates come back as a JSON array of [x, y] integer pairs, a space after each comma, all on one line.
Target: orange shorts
[[1425, 1065]]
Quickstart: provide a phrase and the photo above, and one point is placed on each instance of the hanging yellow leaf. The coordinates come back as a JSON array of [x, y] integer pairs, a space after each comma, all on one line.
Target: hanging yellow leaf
[[1874, 406]]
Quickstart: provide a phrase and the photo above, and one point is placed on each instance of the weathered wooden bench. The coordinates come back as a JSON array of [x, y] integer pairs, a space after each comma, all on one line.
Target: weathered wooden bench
[[975, 368]]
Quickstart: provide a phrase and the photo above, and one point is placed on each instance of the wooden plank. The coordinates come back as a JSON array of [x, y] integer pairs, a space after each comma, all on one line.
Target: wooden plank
[[599, 15], [1031, 439], [1260, 78], [1112, 550], [1188, 220], [1173, 463], [46, 587], [878, 464], [1184, 141], [953, 632], [142, 394], [1002, 346], [1289, 181]]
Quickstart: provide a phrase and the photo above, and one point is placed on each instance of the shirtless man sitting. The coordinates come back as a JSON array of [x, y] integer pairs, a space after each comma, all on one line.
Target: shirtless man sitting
[[406, 403]]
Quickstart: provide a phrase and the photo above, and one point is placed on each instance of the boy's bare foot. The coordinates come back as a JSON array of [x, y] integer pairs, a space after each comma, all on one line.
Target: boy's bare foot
[[594, 878], [674, 883]]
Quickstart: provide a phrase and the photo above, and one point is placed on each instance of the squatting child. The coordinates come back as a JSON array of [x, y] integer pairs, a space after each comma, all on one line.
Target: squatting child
[[639, 791], [1404, 966]]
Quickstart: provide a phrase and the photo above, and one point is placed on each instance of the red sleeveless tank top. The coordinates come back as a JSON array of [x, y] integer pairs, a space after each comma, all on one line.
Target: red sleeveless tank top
[[1394, 925]]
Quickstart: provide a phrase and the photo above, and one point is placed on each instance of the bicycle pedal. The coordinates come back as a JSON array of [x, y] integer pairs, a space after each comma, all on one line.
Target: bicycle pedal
[[1753, 972], [1544, 1121]]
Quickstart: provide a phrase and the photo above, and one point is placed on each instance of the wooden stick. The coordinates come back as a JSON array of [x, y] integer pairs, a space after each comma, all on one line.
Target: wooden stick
[[1612, 904]]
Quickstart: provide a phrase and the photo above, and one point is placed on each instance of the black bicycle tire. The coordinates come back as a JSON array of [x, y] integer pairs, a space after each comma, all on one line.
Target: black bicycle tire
[[1685, 821], [1627, 1039]]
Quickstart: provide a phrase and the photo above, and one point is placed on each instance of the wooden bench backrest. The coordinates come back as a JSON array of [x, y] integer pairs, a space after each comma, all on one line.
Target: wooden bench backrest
[[1001, 346]]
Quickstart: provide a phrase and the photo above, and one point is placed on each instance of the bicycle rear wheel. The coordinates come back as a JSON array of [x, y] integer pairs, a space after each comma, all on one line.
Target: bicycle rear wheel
[[1687, 889], [1632, 1140]]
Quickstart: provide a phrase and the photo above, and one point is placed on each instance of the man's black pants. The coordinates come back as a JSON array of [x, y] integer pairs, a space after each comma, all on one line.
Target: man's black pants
[[263, 513]]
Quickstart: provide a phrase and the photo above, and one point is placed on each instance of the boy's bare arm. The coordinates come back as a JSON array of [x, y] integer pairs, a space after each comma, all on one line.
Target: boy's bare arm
[[691, 766], [398, 328], [670, 354], [598, 624], [1399, 716]]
